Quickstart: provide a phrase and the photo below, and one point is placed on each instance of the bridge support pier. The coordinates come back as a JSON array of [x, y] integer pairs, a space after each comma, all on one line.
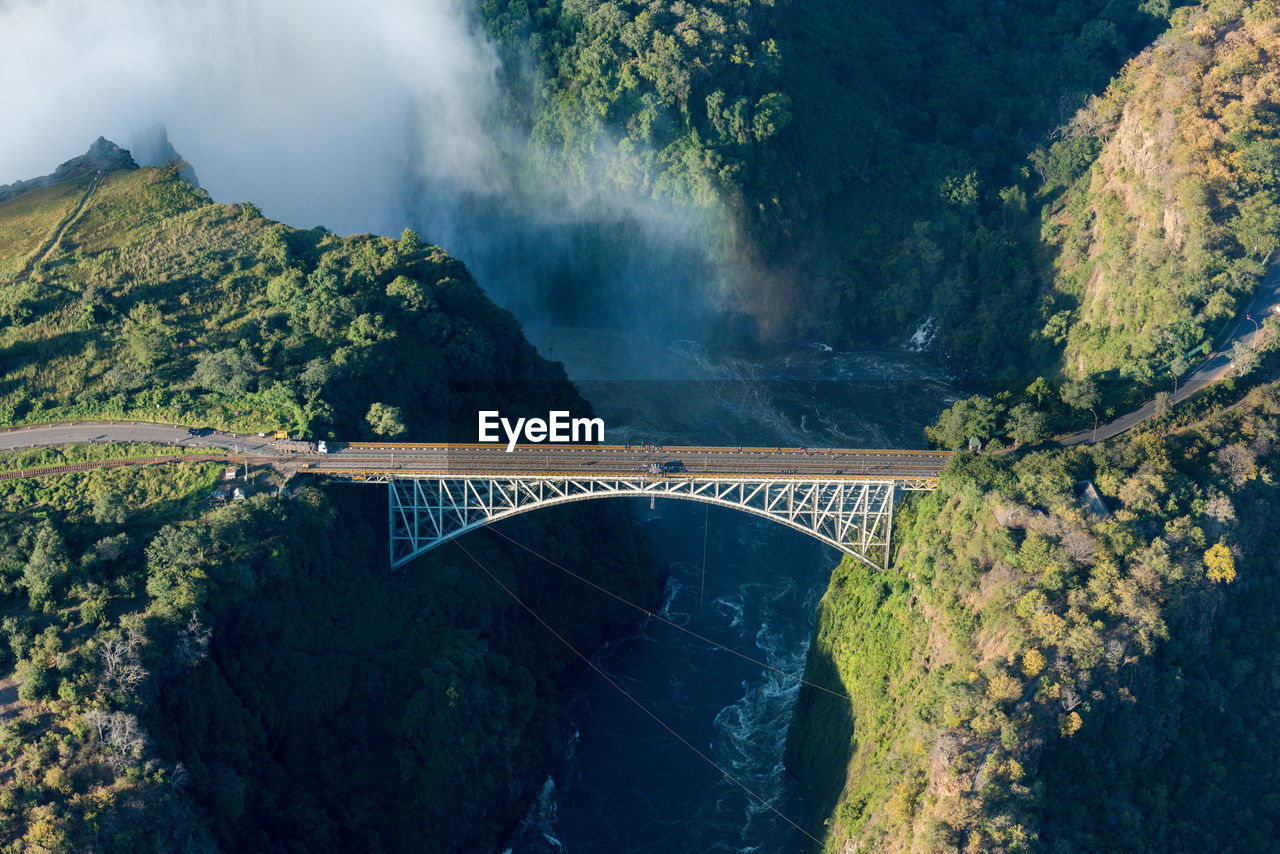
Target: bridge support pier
[[854, 516]]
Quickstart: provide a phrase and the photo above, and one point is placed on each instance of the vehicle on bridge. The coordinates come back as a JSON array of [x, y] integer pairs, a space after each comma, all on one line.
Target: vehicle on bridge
[[297, 446], [668, 467]]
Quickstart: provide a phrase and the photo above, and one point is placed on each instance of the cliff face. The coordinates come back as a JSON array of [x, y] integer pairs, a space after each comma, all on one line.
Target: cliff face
[[345, 707], [1037, 674], [1163, 235], [252, 676], [865, 160], [1029, 666]]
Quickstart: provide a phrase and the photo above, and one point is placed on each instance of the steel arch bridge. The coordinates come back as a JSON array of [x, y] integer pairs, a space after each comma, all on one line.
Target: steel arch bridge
[[437, 493], [852, 516]]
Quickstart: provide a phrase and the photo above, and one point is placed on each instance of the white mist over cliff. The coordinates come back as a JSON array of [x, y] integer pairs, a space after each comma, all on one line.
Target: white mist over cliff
[[358, 117], [314, 109]]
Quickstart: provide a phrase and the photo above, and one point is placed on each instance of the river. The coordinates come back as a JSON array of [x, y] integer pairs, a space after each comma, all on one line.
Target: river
[[627, 292], [623, 782]]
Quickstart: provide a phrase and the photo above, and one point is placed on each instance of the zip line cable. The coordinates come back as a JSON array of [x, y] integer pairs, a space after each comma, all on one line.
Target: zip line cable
[[663, 619], [706, 527], [637, 703]]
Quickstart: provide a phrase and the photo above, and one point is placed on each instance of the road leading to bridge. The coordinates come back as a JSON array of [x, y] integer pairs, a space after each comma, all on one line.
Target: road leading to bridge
[[388, 461], [1218, 364], [90, 432]]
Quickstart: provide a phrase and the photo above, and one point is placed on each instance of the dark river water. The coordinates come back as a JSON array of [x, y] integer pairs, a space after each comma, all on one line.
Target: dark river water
[[624, 783]]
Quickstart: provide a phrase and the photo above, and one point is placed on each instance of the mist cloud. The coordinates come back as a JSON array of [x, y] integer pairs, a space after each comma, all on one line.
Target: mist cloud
[[359, 117], [314, 110]]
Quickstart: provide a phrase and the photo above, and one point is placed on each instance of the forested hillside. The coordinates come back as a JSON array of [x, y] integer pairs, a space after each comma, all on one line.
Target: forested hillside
[[1079, 194], [1049, 673], [198, 675], [1168, 201], [161, 304], [1038, 675], [873, 158]]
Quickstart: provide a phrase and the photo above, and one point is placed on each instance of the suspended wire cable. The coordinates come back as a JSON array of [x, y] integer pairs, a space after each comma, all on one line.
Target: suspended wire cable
[[664, 620], [638, 704], [706, 528]]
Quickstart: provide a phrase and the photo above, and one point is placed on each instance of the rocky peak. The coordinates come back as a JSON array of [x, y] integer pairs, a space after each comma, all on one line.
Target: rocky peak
[[103, 154]]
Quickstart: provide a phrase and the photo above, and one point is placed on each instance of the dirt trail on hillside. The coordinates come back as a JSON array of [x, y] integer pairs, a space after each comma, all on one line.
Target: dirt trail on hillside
[[30, 266]]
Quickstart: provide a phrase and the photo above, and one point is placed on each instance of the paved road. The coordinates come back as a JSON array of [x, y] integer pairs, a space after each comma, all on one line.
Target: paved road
[[74, 433], [1217, 366], [366, 460], [629, 461]]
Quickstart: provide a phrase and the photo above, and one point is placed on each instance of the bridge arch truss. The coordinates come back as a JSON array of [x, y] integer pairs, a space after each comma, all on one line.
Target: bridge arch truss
[[852, 515]]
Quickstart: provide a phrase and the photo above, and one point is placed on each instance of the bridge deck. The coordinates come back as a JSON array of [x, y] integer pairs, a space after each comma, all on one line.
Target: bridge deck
[[365, 461]]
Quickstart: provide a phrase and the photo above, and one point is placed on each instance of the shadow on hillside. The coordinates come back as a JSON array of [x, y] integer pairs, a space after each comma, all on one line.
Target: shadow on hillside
[[818, 755], [42, 351], [891, 105]]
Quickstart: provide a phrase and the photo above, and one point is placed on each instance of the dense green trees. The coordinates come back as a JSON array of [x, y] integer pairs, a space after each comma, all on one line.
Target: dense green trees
[[1027, 425], [971, 421], [836, 143], [46, 568], [1048, 666], [166, 653], [670, 98], [385, 420], [228, 371], [147, 337]]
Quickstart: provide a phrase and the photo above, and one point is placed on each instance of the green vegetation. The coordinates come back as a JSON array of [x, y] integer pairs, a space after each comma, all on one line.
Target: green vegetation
[[1050, 231], [192, 674], [30, 220], [1158, 209], [247, 674], [671, 98], [1030, 666], [161, 305], [1161, 223], [67, 454], [1032, 676], [865, 184], [982, 422]]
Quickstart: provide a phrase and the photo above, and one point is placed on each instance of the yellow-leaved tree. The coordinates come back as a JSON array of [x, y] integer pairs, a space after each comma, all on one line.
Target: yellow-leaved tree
[[1219, 564]]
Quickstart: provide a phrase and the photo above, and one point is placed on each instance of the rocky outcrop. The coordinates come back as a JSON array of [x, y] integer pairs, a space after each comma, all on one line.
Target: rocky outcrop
[[152, 147], [103, 155]]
